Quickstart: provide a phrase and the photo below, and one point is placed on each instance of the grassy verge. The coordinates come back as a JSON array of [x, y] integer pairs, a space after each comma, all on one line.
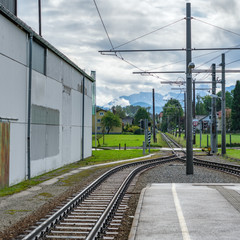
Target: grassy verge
[[179, 140], [113, 140], [233, 153], [97, 157], [235, 140]]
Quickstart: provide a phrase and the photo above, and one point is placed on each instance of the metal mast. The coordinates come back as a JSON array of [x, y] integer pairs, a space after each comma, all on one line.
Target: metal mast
[[189, 144], [223, 107], [213, 112]]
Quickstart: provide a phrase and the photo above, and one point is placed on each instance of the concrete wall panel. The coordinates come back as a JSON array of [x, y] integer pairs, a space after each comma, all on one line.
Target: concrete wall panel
[[67, 74], [76, 80], [39, 82], [16, 50], [76, 143], [13, 91], [76, 108], [54, 66], [18, 167], [57, 97]]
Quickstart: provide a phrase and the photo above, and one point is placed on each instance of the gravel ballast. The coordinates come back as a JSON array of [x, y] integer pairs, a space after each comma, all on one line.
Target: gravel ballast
[[174, 172], [17, 211]]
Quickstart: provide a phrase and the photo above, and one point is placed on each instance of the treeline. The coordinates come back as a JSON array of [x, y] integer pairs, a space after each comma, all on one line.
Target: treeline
[[173, 113], [112, 118], [203, 107]]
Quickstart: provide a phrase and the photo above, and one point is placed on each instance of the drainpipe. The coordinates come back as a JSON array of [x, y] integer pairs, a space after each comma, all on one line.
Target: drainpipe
[[29, 108], [83, 104]]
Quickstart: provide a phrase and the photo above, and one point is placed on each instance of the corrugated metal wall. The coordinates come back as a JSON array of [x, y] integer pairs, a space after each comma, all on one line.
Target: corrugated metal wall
[[4, 153]]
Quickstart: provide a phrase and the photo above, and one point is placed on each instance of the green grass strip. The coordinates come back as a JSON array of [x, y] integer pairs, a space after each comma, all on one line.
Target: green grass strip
[[98, 156]]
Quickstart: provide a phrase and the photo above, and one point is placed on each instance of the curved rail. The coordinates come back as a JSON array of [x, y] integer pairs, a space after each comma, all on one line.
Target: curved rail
[[44, 228], [172, 144], [105, 218], [224, 167]]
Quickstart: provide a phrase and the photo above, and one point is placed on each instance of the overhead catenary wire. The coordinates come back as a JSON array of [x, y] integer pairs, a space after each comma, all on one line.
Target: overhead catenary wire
[[232, 62], [210, 24], [146, 34], [105, 29], [115, 52]]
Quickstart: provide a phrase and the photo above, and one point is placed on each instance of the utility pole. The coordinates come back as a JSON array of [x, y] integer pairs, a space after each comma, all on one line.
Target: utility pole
[[185, 115], [193, 109], [223, 107], [94, 110], [154, 133], [40, 17], [189, 167], [213, 112]]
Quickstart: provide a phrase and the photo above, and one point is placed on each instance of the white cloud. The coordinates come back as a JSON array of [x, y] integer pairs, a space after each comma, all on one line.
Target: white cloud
[[75, 29]]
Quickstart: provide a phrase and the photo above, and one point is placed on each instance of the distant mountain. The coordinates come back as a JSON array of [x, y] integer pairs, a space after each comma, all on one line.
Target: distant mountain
[[230, 88], [144, 99]]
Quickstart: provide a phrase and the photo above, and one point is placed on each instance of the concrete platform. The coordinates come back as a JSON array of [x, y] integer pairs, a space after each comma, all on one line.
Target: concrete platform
[[188, 212]]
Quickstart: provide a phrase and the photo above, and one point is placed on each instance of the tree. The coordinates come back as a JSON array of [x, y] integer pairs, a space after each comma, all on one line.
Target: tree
[[200, 109], [131, 110], [118, 110], [207, 101], [141, 114], [109, 120], [228, 99], [172, 113], [236, 107]]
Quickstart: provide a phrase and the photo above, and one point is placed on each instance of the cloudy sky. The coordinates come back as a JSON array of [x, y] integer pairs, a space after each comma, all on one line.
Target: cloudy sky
[[74, 27]]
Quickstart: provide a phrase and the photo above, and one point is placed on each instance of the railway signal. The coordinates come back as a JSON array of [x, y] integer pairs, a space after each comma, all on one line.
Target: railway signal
[[141, 124]]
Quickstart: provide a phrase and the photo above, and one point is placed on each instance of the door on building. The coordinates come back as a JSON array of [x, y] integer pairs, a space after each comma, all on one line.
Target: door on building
[[4, 153]]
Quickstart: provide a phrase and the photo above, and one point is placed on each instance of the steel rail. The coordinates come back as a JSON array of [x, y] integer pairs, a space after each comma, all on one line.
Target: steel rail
[[169, 141], [224, 167], [101, 224], [49, 223]]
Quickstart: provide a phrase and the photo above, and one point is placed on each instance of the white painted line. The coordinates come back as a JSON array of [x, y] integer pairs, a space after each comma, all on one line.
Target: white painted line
[[181, 219]]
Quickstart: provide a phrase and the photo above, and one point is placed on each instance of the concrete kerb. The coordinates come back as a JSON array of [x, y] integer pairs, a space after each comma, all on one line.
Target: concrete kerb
[[135, 224]]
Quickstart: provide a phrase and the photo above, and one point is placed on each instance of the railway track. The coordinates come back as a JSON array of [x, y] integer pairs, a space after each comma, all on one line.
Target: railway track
[[227, 168], [96, 212]]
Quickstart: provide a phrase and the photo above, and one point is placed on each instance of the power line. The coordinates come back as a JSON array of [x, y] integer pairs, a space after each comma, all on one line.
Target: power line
[[226, 30], [232, 62], [144, 35], [105, 29]]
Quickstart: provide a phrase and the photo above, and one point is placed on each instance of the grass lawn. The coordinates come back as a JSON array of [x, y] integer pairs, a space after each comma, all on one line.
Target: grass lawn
[[235, 139], [101, 156], [233, 153], [113, 140]]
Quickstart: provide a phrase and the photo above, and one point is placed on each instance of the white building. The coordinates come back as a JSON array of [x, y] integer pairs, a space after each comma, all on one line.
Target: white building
[[34, 75]]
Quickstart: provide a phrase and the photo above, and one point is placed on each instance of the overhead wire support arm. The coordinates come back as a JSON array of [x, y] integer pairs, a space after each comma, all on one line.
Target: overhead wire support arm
[[141, 50], [193, 71], [165, 50]]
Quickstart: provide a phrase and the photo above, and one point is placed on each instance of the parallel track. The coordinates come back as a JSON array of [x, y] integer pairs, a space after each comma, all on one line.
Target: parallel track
[[96, 212], [227, 168]]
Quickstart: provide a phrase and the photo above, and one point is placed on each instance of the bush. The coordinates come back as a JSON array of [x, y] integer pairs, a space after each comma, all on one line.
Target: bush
[[137, 131]]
